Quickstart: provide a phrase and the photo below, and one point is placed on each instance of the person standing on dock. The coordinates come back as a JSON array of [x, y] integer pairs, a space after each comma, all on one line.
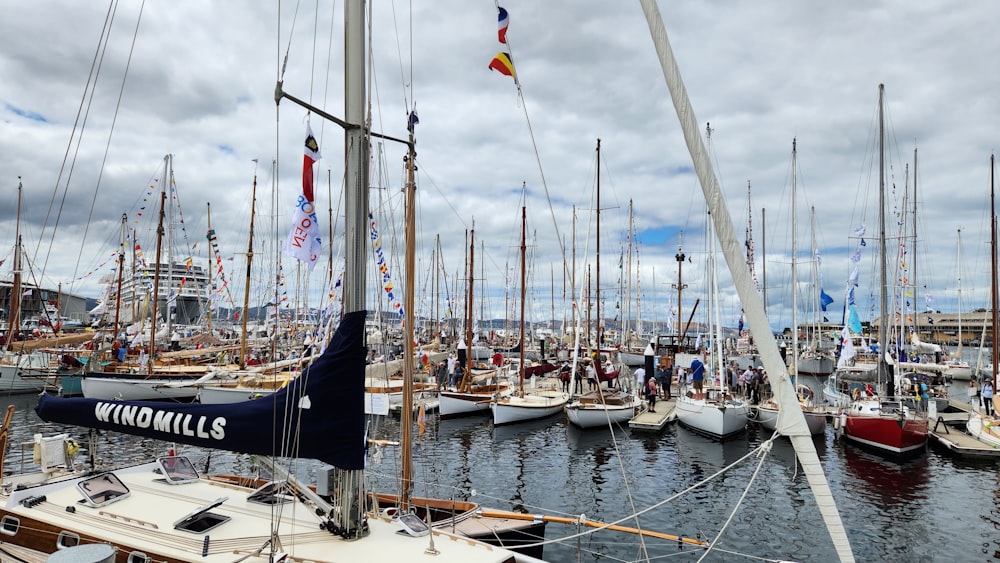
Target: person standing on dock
[[987, 394], [663, 378], [651, 392], [640, 380], [973, 392]]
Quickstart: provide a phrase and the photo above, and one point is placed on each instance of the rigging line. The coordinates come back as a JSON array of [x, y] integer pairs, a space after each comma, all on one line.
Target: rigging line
[[402, 74], [756, 451], [291, 33], [87, 87], [95, 72], [107, 148], [764, 449]]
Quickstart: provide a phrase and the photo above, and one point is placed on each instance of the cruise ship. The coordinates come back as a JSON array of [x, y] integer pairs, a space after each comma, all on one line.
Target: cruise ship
[[184, 287]]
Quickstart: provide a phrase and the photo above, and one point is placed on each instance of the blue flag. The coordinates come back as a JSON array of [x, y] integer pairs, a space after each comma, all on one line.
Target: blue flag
[[824, 299], [853, 321]]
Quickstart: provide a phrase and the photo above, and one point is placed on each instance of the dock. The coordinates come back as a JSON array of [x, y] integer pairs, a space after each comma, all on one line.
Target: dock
[[963, 445], [655, 421]]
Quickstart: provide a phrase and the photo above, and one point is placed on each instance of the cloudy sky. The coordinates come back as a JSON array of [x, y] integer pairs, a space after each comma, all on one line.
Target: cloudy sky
[[88, 139]]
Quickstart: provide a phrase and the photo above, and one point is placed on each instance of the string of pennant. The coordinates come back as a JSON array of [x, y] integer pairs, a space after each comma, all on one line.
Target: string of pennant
[[383, 268]]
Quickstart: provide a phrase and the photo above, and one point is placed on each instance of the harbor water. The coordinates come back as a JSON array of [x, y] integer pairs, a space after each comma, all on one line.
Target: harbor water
[[932, 508]]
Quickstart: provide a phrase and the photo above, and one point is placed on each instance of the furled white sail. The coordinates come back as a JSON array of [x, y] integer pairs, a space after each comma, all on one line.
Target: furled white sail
[[791, 421]]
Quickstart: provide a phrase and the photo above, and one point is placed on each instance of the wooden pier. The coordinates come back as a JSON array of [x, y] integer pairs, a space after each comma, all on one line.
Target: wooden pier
[[956, 440], [655, 421], [958, 443]]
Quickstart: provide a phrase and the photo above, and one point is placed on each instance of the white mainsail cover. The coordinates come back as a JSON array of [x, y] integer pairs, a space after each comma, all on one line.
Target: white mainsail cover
[[791, 421]]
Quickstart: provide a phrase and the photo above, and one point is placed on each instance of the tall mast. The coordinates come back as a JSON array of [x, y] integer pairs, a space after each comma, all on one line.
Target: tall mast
[[406, 418], [680, 288], [14, 314], [913, 258], [121, 266], [208, 212], [883, 328], [994, 294], [156, 276], [959, 293], [597, 280], [467, 374], [520, 347], [246, 289], [169, 225], [795, 281]]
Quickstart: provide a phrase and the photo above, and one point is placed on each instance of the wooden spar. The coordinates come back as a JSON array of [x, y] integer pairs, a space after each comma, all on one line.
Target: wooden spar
[[14, 313], [406, 418], [492, 513], [466, 384], [156, 276], [118, 289], [246, 289]]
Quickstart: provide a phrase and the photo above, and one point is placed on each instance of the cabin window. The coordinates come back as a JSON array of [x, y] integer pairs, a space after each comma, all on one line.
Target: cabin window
[[67, 539], [10, 525], [138, 557]]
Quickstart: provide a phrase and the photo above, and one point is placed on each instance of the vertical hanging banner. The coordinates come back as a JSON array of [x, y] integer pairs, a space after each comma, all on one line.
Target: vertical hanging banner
[[383, 267], [304, 242]]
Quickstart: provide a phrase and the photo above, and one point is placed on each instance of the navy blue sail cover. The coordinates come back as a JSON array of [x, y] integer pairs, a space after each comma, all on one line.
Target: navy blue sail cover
[[319, 415]]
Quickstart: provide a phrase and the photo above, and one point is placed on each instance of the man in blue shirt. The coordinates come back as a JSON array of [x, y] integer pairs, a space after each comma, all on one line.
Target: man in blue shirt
[[697, 378]]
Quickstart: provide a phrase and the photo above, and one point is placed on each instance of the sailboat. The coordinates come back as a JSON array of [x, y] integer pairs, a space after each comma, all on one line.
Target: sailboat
[[158, 378], [984, 426], [712, 411], [885, 423], [521, 406], [165, 511], [602, 407], [475, 393], [767, 413]]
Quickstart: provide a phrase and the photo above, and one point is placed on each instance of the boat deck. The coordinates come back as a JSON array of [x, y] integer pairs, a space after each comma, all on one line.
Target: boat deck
[[654, 421]]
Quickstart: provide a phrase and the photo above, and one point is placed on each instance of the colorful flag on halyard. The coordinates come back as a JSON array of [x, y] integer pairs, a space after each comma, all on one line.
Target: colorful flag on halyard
[[303, 241], [824, 299], [503, 64], [310, 157], [504, 21], [412, 120]]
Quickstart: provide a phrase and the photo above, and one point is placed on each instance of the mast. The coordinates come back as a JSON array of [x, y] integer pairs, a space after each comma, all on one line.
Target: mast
[[959, 293], [680, 288], [14, 314], [467, 374], [208, 212], [913, 259], [994, 293], [246, 289], [795, 281], [883, 328], [156, 276], [406, 418], [574, 310], [121, 265], [597, 280], [169, 225], [520, 347]]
